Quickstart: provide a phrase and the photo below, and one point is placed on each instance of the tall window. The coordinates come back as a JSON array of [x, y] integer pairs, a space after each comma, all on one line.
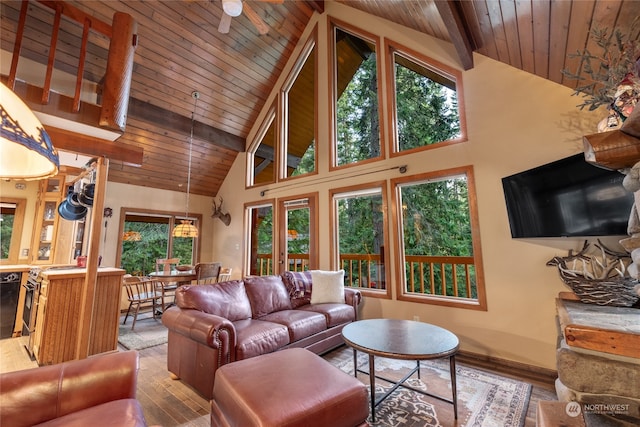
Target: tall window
[[261, 160], [427, 101], [439, 244], [147, 237], [260, 240], [355, 87], [359, 224], [299, 105]]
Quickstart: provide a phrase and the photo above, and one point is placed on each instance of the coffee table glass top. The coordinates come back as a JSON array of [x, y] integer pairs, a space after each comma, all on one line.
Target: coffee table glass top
[[400, 339]]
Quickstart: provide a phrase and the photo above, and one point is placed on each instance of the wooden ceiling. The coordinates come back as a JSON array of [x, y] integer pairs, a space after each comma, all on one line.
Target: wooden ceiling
[[180, 51]]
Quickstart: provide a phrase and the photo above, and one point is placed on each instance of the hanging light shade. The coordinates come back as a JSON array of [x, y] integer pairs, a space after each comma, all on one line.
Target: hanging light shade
[[131, 236], [26, 151], [186, 228]]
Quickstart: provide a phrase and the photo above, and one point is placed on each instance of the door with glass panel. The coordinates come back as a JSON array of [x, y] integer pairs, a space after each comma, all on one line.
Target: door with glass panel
[[297, 234]]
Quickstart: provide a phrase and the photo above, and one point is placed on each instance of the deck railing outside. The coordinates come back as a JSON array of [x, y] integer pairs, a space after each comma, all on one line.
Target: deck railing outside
[[450, 276]]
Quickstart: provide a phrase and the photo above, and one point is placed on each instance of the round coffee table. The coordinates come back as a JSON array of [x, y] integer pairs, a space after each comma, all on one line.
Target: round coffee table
[[402, 339]]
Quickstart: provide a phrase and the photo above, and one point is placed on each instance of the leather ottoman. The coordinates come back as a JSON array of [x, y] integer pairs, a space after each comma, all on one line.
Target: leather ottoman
[[288, 388]]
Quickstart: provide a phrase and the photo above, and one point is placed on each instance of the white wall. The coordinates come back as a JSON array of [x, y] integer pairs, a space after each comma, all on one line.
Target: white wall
[[515, 121]]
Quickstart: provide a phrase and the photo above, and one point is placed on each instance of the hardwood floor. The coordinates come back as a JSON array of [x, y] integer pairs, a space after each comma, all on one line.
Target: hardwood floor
[[168, 403]]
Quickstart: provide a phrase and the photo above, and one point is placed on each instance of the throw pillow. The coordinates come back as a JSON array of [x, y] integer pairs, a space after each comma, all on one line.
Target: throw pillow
[[298, 285], [328, 286]]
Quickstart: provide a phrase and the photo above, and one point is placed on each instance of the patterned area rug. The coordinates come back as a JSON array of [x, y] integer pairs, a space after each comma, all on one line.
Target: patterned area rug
[[148, 333], [484, 399]]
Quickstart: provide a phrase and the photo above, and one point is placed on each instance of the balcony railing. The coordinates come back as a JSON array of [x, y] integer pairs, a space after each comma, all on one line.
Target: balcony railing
[[450, 276]]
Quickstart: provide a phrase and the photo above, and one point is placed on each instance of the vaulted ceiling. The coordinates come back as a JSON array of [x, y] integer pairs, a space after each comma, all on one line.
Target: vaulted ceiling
[[180, 50]]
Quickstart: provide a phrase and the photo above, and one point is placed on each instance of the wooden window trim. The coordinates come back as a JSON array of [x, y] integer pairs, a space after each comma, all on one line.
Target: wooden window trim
[[333, 220], [310, 48], [481, 302], [391, 48], [16, 231], [334, 24]]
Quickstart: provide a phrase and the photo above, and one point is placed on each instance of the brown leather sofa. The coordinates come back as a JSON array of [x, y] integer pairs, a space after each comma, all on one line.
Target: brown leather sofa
[[212, 325], [100, 390]]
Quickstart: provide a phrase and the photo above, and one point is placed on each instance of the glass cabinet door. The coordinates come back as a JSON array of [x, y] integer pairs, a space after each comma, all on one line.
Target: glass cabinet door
[[46, 222]]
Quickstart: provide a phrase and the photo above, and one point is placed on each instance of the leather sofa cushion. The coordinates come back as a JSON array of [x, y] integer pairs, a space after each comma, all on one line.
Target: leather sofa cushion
[[299, 285], [335, 314], [256, 337], [267, 294], [300, 324], [120, 413], [225, 299]]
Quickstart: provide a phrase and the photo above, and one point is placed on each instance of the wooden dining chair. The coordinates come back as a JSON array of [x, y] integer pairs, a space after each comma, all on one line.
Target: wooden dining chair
[[207, 270], [166, 289], [224, 275], [141, 293], [166, 264]]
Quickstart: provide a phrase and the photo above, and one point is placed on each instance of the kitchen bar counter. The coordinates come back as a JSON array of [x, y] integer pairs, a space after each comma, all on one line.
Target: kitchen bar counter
[[58, 313]]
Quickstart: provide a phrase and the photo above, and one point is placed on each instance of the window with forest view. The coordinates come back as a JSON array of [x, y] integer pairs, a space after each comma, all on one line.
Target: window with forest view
[[260, 240], [299, 98], [7, 216], [261, 160], [297, 245], [147, 238], [359, 224], [438, 250], [12, 212], [357, 116], [426, 104]]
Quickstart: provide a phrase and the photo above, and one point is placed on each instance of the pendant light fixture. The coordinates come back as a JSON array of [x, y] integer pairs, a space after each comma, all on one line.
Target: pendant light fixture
[[186, 228], [26, 151]]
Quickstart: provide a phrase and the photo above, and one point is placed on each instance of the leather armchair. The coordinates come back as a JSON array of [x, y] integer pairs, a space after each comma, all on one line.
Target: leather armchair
[[100, 390]]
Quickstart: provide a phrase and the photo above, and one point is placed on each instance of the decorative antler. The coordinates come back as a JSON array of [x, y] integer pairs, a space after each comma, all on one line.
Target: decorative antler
[[608, 264], [217, 213]]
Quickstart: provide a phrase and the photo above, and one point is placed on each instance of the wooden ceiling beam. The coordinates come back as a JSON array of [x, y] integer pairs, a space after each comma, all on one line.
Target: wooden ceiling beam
[[317, 5], [453, 17], [166, 119], [95, 147]]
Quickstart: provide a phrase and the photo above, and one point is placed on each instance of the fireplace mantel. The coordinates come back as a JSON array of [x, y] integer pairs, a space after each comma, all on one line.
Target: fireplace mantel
[[616, 149]]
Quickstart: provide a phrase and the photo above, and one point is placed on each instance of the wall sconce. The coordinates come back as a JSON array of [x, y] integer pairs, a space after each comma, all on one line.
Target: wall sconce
[[26, 151]]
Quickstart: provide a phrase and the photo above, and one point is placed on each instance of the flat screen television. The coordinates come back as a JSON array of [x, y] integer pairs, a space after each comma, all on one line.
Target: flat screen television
[[567, 198]]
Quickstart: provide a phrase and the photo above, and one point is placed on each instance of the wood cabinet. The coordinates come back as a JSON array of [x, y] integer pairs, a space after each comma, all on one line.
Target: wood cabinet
[[45, 225], [56, 333]]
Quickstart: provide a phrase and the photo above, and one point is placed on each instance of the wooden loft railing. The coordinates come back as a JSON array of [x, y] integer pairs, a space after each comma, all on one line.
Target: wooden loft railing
[[117, 79]]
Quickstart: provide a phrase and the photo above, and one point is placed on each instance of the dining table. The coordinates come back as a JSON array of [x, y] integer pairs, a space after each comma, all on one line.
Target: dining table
[[178, 276], [169, 280]]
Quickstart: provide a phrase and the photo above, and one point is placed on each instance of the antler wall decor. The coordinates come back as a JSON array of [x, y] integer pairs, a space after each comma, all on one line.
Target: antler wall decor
[[600, 278], [217, 213]]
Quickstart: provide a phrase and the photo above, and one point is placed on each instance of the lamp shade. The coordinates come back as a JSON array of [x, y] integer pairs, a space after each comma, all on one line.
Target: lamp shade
[[26, 151], [232, 7], [185, 229]]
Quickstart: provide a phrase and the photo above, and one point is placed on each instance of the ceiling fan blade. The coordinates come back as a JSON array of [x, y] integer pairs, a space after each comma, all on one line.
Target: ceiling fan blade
[[225, 23], [255, 19]]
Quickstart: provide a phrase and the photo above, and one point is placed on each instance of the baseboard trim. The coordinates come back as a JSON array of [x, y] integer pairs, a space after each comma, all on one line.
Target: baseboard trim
[[508, 367]]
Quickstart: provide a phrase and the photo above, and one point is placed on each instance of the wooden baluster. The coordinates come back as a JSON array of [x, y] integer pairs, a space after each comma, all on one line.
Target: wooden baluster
[[81, 60], [46, 90], [11, 81]]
